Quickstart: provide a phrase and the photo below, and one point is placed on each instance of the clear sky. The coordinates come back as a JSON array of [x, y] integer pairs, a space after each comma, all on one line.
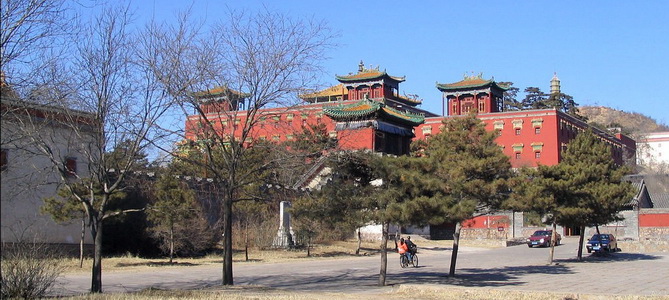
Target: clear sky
[[608, 53]]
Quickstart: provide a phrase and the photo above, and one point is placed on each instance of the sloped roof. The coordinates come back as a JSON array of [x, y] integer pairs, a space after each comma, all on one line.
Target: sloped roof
[[336, 90], [367, 108], [218, 91], [469, 82]]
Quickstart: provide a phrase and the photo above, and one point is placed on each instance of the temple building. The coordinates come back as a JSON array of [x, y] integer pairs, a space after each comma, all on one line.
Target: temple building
[[367, 111]]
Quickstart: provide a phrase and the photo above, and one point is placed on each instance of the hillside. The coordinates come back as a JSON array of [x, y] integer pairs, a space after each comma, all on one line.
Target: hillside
[[631, 123]]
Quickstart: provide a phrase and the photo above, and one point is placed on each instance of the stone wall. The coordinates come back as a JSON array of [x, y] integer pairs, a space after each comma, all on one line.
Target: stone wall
[[484, 233]]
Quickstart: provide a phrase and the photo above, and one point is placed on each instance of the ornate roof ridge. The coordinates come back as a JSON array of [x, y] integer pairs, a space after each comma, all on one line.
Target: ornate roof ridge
[[368, 73], [469, 81]]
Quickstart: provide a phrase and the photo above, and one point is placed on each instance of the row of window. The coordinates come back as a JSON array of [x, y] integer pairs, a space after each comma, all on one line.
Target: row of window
[[290, 137], [70, 163]]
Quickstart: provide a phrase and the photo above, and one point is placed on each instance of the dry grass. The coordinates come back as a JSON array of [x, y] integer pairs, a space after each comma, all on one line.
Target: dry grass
[[403, 292], [333, 250], [337, 249]]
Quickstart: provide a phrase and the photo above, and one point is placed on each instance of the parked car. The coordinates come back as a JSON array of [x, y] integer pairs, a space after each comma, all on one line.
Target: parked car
[[602, 242], [543, 238]]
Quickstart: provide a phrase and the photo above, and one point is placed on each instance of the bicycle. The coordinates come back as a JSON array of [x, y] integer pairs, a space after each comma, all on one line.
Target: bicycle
[[404, 260]]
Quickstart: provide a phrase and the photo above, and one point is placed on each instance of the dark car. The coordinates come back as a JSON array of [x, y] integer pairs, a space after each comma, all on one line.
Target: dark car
[[604, 242], [543, 238]]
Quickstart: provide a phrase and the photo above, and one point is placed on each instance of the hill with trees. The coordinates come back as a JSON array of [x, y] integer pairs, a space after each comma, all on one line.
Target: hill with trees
[[630, 122]]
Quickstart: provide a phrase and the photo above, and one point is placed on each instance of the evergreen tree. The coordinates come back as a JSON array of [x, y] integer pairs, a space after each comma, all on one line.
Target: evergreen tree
[[173, 205], [534, 98], [470, 174], [601, 193], [510, 101], [546, 191]]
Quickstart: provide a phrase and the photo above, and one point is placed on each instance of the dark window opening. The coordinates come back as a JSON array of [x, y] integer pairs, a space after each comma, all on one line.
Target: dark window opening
[[4, 160], [71, 166]]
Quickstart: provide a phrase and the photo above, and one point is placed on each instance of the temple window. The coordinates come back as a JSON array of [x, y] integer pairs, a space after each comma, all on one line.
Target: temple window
[[517, 147], [481, 105], [498, 125], [537, 122], [517, 155], [263, 138], [4, 160], [517, 123], [275, 137], [333, 134], [305, 115], [517, 131], [427, 130], [237, 121], [538, 146], [71, 166], [289, 117], [276, 118], [537, 130], [537, 155], [289, 137]]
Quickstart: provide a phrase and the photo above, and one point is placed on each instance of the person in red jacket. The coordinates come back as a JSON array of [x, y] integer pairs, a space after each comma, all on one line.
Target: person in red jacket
[[402, 248]]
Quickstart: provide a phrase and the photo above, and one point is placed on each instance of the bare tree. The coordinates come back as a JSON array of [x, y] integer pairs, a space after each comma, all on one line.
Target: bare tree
[[236, 75], [33, 37], [109, 100]]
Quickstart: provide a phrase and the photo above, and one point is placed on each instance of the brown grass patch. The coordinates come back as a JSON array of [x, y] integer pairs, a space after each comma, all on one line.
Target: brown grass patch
[[335, 249]]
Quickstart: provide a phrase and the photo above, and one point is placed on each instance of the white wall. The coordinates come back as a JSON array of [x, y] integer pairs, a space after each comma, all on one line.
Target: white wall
[[653, 151], [28, 178]]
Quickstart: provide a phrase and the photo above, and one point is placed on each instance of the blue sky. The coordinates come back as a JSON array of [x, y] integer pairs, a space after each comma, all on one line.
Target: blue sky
[[608, 53]]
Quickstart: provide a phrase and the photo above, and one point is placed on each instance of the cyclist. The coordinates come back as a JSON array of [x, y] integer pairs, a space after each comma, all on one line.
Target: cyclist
[[411, 246], [402, 248]]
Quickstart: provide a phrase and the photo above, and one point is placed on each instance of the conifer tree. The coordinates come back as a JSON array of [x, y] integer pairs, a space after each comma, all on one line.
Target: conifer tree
[[174, 204], [600, 192], [471, 174]]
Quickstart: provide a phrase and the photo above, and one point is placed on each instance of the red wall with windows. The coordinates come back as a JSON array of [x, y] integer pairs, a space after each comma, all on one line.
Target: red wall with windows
[[284, 125], [523, 134]]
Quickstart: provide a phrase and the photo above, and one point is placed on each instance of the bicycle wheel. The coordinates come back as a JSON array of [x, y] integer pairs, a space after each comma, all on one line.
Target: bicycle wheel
[[414, 260], [404, 262]]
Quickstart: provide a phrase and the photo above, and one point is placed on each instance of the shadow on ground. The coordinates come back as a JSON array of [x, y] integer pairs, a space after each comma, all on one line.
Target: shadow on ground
[[610, 257], [157, 264]]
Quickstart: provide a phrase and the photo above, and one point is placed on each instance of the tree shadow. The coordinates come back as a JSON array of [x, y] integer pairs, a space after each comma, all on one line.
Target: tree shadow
[[435, 248], [486, 277], [157, 264], [602, 257]]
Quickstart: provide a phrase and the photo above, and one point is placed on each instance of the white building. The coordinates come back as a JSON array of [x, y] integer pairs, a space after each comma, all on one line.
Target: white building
[[28, 176], [653, 151]]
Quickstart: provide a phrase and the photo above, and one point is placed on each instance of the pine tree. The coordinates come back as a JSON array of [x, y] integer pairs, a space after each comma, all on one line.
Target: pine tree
[[470, 174], [600, 192], [173, 206]]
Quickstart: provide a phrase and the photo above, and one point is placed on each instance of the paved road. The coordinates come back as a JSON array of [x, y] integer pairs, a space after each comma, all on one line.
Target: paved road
[[514, 268]]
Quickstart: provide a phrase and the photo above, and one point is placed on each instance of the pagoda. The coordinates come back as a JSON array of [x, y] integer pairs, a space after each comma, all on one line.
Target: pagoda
[[473, 93], [372, 110]]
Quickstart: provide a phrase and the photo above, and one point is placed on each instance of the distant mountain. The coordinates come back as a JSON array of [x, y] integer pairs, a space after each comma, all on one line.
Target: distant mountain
[[630, 123]]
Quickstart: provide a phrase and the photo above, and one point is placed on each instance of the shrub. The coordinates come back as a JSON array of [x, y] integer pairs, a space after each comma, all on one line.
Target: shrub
[[29, 270]]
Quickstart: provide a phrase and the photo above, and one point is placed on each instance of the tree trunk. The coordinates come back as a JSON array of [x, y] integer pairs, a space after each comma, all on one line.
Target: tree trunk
[[227, 240], [171, 242], [384, 254], [81, 241], [454, 254], [553, 237], [580, 243], [357, 251], [96, 276], [246, 240], [309, 245]]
